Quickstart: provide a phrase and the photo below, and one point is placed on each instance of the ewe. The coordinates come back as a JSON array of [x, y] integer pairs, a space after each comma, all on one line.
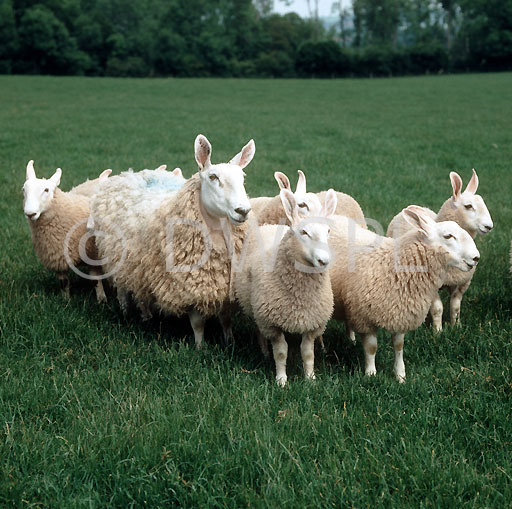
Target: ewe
[[390, 283], [176, 254], [469, 211], [57, 222], [284, 284]]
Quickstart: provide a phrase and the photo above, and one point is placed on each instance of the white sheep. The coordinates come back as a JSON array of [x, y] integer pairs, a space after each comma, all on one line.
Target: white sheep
[[89, 187], [57, 223], [380, 282], [151, 188], [177, 255], [283, 283], [469, 211], [270, 210]]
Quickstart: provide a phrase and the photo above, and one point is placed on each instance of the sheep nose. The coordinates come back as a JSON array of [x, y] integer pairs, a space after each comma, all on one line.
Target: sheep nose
[[243, 212], [31, 215], [322, 262], [488, 227], [475, 259]]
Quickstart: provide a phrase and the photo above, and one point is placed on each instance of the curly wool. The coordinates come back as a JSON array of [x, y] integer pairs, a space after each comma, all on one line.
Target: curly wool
[[373, 293], [271, 211], [49, 231], [283, 298], [88, 188], [144, 271]]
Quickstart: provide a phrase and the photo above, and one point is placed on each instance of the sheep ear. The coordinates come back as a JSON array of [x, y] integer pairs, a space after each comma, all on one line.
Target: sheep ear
[[177, 172], [104, 175], [456, 184], [417, 218], [31, 174], [203, 152], [55, 178], [473, 183], [289, 205], [282, 181], [301, 183], [162, 167], [244, 157], [330, 203]]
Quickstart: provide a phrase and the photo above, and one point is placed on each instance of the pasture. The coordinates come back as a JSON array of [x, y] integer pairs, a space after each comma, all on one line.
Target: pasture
[[97, 410]]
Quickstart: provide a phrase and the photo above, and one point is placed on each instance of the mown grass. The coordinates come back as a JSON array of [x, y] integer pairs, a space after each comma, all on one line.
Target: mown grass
[[100, 411]]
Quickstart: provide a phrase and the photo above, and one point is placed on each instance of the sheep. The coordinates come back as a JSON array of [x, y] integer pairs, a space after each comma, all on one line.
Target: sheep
[[270, 210], [177, 255], [469, 211], [150, 187], [292, 294], [57, 224], [89, 187], [390, 283]]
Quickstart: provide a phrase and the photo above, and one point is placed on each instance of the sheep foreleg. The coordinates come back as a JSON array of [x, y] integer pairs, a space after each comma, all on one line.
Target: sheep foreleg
[[197, 322], [370, 349], [280, 348], [398, 346], [307, 350], [64, 283], [456, 295], [436, 312]]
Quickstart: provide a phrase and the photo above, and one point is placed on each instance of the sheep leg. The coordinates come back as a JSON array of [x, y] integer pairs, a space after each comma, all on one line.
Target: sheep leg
[[321, 343], [280, 348], [456, 294], [124, 301], [225, 322], [307, 350], [64, 283], [436, 312], [263, 342], [100, 291], [350, 333], [144, 310], [370, 349], [197, 322], [398, 346]]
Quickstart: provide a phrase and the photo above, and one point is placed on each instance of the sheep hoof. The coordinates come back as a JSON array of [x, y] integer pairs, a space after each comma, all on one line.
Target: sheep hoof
[[282, 381], [311, 377], [400, 378], [370, 372]]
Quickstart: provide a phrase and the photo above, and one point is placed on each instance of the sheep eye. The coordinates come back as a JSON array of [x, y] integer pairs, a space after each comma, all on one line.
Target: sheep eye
[[46, 190], [213, 177], [449, 236], [303, 205], [304, 232], [468, 206]]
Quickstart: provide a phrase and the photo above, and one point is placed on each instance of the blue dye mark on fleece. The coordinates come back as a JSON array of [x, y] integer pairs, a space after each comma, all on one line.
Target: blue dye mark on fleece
[[164, 182]]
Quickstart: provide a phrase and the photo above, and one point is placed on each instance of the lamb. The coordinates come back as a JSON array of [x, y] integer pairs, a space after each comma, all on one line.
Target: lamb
[[390, 283], [469, 211], [270, 210], [89, 187], [291, 292], [57, 223], [151, 188], [177, 255]]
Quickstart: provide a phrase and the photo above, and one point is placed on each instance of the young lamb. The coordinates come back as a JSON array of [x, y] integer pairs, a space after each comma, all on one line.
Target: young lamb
[[469, 211], [270, 210], [283, 282], [57, 222], [177, 254], [151, 188], [390, 283]]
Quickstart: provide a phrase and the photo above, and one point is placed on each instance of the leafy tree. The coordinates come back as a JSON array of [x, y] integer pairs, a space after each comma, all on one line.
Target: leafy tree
[[8, 36]]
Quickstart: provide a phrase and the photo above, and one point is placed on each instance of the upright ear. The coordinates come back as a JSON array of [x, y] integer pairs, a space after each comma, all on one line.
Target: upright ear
[[55, 178], [31, 174], [162, 167], [244, 157], [473, 183], [104, 175], [330, 204], [282, 181], [203, 151], [456, 184], [289, 206], [177, 172], [417, 218], [301, 183]]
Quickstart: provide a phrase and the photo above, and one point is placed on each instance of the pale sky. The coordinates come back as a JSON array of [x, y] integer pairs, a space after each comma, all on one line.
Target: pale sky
[[301, 7]]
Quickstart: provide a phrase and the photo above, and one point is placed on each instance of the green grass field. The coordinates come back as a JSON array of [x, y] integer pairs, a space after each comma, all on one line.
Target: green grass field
[[97, 411]]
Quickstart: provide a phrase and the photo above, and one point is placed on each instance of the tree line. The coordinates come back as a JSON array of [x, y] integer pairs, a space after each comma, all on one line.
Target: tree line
[[243, 38]]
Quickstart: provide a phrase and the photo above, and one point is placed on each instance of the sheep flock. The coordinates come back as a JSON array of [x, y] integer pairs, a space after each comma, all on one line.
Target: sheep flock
[[170, 246]]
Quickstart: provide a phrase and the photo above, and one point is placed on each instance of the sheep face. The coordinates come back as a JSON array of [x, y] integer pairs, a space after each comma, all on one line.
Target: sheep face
[[472, 212], [312, 233], [222, 185], [448, 235], [38, 193], [308, 203]]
